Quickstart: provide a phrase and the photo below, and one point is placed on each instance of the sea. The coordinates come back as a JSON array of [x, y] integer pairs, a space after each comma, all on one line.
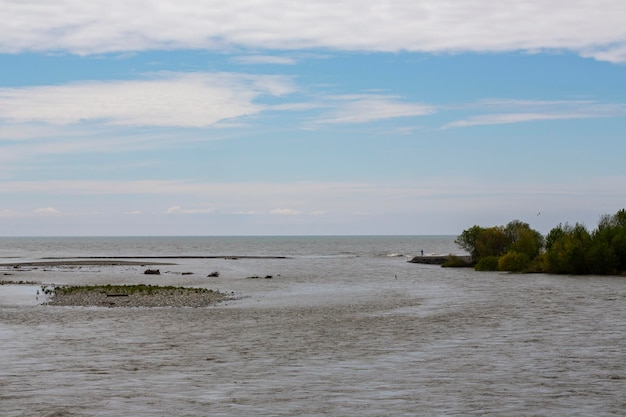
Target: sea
[[317, 326]]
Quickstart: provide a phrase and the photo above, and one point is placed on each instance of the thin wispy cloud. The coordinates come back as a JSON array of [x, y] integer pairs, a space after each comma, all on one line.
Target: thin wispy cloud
[[498, 119], [263, 60], [285, 212], [6, 213], [24, 132], [334, 202], [47, 211], [295, 192], [521, 111], [369, 108], [181, 210], [71, 140]]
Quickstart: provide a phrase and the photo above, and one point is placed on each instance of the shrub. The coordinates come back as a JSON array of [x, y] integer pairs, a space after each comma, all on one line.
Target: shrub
[[514, 262], [488, 263], [455, 262]]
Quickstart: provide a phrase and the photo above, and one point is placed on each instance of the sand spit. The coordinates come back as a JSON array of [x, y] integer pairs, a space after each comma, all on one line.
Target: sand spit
[[135, 296], [182, 257], [92, 262]]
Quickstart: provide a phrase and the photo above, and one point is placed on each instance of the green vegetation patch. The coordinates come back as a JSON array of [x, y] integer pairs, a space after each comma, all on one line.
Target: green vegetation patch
[[139, 289], [457, 262], [566, 249], [488, 263]]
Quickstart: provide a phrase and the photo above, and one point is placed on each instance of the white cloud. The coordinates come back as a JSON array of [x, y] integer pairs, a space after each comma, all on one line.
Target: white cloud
[[6, 213], [285, 212], [370, 107], [615, 54], [519, 111], [180, 210], [168, 99], [264, 60], [593, 28], [47, 211], [174, 210], [495, 119], [23, 132]]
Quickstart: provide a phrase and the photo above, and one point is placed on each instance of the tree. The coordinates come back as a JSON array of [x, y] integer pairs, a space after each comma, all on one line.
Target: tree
[[494, 242], [491, 242], [555, 235], [601, 258], [467, 240], [566, 250], [523, 239], [608, 249]]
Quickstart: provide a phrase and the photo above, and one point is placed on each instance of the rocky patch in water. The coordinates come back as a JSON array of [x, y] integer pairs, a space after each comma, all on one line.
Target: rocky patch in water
[[135, 296]]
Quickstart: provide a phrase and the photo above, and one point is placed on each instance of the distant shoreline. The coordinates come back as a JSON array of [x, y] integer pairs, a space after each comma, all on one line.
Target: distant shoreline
[[94, 262], [124, 260]]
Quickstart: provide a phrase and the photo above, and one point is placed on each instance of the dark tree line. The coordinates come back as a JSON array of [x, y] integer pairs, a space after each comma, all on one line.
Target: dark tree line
[[566, 249]]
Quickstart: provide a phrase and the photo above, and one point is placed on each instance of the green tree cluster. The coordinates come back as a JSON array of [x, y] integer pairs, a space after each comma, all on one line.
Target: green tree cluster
[[566, 249], [514, 247], [575, 250]]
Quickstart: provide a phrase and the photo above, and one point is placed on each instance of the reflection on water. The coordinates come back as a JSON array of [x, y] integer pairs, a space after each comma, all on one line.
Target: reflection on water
[[21, 295], [361, 337]]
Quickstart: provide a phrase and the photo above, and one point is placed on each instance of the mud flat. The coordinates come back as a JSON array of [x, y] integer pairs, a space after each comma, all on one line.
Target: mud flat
[[135, 296]]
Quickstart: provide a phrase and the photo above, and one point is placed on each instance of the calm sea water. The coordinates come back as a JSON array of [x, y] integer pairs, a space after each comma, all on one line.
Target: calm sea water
[[346, 327]]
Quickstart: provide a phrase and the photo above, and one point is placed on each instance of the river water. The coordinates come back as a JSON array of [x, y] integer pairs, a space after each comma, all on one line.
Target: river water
[[345, 327]]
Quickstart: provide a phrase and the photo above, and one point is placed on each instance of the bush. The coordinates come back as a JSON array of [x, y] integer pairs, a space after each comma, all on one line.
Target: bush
[[488, 263], [455, 262], [514, 262]]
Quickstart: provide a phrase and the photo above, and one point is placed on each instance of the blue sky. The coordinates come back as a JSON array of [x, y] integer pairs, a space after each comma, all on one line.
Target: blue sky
[[328, 117]]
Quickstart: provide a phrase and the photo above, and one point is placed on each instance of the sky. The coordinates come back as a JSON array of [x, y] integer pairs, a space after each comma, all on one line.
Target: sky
[[325, 117]]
